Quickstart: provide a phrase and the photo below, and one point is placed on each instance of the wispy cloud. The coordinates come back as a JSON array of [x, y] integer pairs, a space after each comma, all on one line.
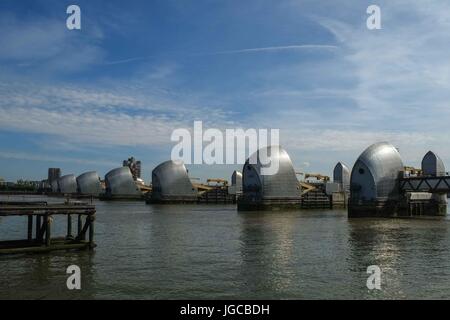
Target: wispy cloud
[[275, 48], [237, 51], [55, 159], [403, 70], [104, 117], [389, 84], [44, 44], [354, 88], [128, 60]]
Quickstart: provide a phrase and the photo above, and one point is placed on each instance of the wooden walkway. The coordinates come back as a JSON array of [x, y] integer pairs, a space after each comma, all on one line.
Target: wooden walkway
[[40, 219]]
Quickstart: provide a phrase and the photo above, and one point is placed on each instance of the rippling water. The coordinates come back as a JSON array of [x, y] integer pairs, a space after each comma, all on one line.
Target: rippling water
[[214, 252]]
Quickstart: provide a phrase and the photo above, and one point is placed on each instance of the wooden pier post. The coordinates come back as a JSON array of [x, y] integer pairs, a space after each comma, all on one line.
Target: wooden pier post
[[69, 226], [39, 228], [91, 232], [80, 226], [44, 219], [82, 229], [30, 228], [48, 232]]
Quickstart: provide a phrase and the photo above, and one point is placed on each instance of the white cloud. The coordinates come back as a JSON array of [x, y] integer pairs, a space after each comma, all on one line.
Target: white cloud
[[402, 71], [276, 48], [101, 116], [390, 84], [45, 44], [58, 159]]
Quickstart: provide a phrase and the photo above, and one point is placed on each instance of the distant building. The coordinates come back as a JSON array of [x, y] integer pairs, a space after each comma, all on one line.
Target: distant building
[[53, 175], [135, 167]]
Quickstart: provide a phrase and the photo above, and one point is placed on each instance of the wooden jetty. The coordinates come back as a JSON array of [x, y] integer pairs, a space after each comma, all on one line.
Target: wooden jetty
[[40, 219]]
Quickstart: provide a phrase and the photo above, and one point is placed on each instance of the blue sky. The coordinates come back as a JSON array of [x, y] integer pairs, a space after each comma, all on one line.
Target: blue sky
[[87, 99]]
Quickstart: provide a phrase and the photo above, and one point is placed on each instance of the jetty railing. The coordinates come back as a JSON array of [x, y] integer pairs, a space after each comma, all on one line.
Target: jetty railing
[[40, 218]]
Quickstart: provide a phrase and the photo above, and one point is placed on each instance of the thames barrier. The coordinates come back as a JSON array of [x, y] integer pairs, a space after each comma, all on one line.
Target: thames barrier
[[378, 185]]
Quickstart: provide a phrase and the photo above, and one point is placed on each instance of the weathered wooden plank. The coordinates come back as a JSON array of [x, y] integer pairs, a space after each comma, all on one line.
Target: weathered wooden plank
[[26, 210], [23, 203], [48, 206], [41, 249]]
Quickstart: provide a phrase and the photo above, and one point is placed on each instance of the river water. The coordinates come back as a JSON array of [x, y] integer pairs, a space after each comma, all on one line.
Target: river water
[[214, 252]]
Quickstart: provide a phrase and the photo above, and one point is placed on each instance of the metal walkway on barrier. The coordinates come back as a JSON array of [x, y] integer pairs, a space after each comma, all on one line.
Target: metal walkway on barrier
[[438, 184]]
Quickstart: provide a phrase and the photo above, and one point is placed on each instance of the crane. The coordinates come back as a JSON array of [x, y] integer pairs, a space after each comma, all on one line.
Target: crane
[[413, 171], [223, 182], [318, 176]]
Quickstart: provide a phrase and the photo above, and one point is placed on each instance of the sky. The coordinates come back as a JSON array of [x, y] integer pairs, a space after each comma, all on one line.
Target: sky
[[87, 99]]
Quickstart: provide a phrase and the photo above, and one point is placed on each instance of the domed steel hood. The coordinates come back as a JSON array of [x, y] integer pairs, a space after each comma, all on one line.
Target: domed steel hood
[[376, 172], [283, 184]]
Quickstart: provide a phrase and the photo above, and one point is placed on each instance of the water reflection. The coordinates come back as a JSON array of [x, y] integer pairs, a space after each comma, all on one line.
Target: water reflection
[[266, 250], [405, 249], [44, 276], [214, 252]]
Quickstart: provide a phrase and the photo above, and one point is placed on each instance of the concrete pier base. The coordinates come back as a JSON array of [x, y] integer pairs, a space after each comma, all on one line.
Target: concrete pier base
[[171, 200], [120, 197], [397, 208], [339, 200], [374, 209], [273, 204], [430, 208]]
